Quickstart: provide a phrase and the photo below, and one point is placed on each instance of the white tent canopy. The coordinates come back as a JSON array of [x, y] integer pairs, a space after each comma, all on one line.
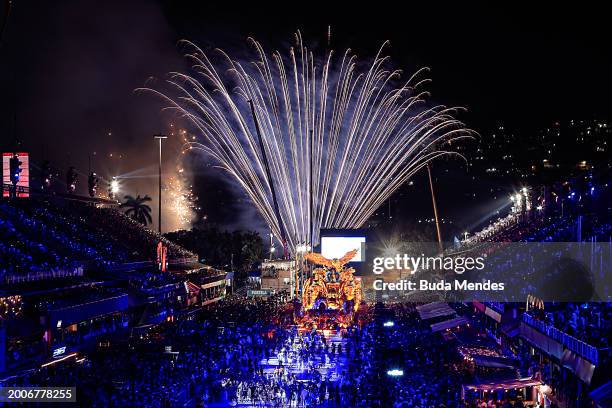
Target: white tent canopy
[[433, 310]]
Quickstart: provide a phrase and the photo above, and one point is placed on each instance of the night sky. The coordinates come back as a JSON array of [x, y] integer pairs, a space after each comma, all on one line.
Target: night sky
[[68, 71]]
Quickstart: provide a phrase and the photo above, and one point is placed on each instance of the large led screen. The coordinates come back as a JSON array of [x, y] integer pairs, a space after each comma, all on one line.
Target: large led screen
[[336, 247]]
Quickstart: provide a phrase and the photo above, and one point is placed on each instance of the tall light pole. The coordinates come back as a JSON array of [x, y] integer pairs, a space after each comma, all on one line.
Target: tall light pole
[[435, 208], [159, 137]]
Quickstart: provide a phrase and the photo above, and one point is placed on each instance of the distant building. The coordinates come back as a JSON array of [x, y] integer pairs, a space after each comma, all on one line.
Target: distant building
[[279, 275]]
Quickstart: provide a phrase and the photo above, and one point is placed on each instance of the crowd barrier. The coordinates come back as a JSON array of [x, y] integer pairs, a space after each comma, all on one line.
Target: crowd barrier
[[577, 346]]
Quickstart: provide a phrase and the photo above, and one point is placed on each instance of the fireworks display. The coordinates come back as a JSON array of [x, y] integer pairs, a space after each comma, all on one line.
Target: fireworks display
[[358, 129], [179, 201]]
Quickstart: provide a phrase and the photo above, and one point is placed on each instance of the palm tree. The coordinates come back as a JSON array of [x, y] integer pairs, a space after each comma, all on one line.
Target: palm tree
[[136, 209]]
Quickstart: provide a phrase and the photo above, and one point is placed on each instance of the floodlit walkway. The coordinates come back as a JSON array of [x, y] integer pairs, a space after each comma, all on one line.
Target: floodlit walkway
[[330, 365]]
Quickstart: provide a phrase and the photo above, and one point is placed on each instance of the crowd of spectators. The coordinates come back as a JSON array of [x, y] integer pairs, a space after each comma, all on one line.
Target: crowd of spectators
[[496, 231], [142, 241], [430, 364], [245, 352], [30, 246], [41, 240], [589, 322], [565, 229], [171, 363], [148, 279], [541, 258]]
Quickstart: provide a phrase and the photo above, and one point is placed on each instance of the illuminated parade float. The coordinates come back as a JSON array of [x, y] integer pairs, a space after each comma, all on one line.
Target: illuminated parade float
[[332, 296]]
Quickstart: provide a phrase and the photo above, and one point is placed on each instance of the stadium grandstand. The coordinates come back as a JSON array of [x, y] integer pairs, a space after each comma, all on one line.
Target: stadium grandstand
[[75, 271]]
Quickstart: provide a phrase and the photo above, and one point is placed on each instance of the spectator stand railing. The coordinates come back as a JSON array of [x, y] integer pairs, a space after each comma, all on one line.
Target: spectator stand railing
[[572, 343], [44, 275]]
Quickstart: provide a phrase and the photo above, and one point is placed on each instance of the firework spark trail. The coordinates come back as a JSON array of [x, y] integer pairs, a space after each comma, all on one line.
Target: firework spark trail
[[179, 201], [369, 135]]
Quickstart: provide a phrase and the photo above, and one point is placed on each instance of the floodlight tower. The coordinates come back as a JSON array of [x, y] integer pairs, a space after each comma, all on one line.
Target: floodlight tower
[[159, 137]]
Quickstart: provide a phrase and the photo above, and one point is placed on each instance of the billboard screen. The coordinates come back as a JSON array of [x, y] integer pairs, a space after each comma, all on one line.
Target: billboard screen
[[336, 247], [23, 186]]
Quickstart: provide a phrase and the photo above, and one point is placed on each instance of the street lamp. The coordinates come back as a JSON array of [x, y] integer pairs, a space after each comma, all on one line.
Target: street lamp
[[160, 137], [272, 248], [300, 250]]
